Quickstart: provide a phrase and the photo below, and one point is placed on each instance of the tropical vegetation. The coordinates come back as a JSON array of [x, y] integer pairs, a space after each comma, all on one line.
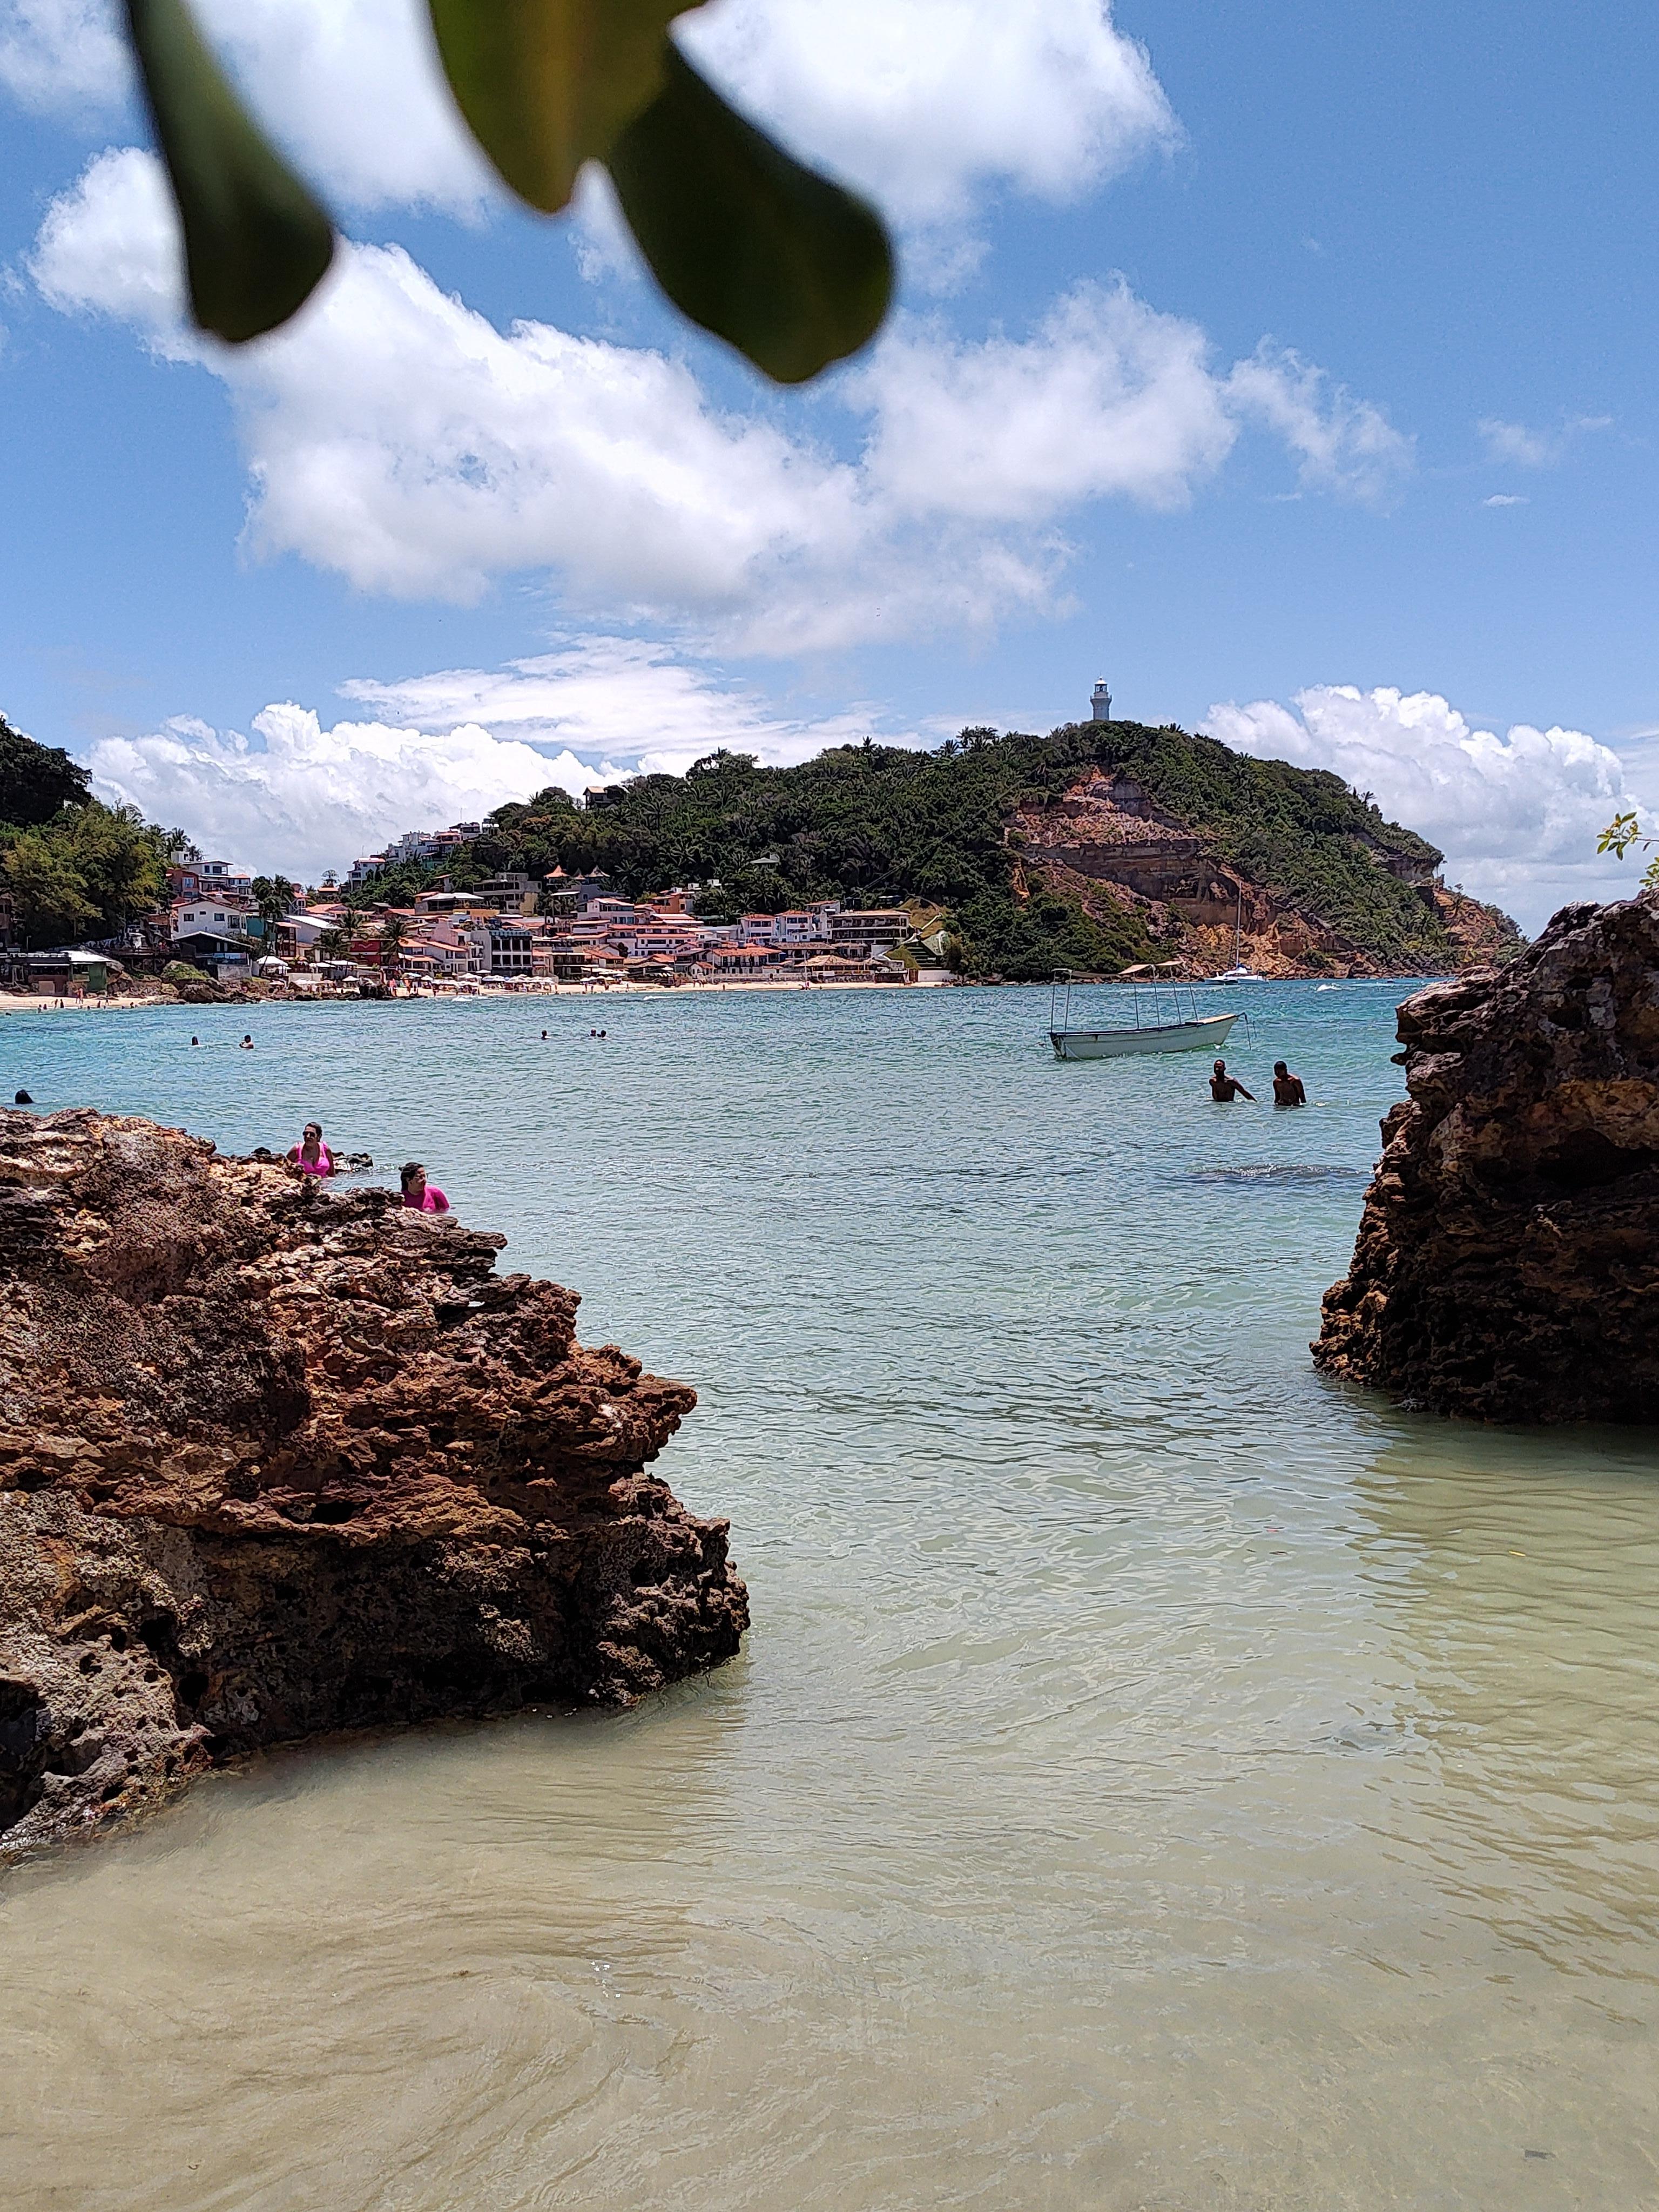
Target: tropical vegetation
[[872, 824], [72, 867]]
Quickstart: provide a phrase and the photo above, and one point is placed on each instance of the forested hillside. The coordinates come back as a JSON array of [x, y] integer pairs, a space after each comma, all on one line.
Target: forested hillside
[[871, 824], [72, 867]]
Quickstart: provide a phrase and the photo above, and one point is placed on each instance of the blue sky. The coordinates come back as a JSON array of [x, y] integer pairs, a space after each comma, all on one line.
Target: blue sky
[[1290, 365]]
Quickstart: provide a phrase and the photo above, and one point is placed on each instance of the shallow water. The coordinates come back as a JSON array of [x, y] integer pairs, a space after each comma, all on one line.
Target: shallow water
[[1156, 1778]]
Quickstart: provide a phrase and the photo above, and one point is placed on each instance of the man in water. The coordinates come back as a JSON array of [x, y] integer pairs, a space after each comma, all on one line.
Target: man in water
[[1224, 1088], [1287, 1088], [246, 1045]]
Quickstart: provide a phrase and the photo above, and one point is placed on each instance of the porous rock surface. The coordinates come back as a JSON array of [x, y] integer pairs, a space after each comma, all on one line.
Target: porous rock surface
[[1507, 1265], [276, 1459]]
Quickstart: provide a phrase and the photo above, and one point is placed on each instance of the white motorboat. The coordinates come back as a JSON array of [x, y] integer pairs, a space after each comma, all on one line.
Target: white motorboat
[[1168, 1028], [1236, 975]]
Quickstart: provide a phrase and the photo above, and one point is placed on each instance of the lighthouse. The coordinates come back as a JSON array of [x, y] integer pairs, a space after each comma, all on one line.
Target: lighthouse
[[1100, 699]]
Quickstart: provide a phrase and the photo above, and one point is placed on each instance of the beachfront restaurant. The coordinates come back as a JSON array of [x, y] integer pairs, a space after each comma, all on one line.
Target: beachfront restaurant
[[71, 974]]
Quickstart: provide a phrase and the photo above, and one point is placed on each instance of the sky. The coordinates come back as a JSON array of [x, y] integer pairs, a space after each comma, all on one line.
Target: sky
[[1289, 365]]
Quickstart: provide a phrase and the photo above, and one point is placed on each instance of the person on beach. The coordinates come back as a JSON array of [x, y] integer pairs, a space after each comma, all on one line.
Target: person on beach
[[310, 1155], [1287, 1088], [423, 1197], [1224, 1088]]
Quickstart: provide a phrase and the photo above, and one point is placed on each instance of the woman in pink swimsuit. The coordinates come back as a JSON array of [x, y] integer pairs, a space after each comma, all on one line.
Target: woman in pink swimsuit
[[424, 1196], [310, 1155]]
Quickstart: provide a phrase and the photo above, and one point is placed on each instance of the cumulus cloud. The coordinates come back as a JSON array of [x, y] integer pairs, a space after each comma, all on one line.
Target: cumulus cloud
[[1516, 815], [295, 796], [395, 436], [300, 796], [63, 55], [932, 104], [1107, 398]]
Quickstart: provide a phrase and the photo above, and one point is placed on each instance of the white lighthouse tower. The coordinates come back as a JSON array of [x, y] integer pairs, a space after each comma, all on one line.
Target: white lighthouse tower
[[1100, 699]]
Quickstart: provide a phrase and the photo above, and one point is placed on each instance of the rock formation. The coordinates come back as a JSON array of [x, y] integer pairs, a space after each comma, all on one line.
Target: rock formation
[[1507, 1264], [275, 1459], [1108, 844]]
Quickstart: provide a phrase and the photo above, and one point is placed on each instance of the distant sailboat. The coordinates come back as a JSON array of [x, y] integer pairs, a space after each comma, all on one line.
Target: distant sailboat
[[1238, 973]]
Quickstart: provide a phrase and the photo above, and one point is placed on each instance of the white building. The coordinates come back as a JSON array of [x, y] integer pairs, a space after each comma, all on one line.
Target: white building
[[193, 917]]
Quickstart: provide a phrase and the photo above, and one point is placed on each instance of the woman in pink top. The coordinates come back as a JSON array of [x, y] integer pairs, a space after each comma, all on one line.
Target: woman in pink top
[[310, 1155], [424, 1196]]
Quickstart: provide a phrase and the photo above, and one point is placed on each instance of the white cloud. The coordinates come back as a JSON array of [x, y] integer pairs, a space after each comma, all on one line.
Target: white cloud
[[398, 437], [931, 104], [353, 90], [1507, 499], [302, 798], [1108, 399], [615, 699], [1517, 815], [63, 55], [1535, 449], [1346, 446]]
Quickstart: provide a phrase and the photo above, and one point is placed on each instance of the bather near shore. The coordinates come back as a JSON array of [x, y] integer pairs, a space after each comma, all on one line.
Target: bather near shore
[[276, 1459]]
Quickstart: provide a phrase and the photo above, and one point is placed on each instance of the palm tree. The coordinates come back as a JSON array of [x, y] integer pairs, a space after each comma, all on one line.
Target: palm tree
[[392, 941]]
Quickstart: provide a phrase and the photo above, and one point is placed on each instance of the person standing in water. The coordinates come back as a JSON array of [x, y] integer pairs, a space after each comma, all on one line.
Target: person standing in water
[[1287, 1088], [310, 1155], [423, 1197], [1224, 1088]]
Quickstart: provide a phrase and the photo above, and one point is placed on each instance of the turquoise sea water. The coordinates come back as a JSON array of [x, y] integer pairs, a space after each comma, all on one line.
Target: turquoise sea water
[[1156, 1777]]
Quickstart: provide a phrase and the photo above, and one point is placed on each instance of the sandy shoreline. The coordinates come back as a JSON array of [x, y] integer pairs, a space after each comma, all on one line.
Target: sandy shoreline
[[12, 1003]]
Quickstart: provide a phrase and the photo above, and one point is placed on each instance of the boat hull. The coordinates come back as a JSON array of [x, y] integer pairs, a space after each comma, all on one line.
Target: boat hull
[[1207, 1036]]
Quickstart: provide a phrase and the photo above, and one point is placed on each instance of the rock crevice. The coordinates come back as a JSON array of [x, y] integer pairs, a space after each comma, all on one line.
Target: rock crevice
[[1507, 1264], [276, 1459]]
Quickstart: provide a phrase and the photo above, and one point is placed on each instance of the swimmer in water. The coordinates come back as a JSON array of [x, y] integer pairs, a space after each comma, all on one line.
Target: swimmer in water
[[195, 1040], [246, 1044], [1287, 1088], [420, 1195], [1224, 1088], [311, 1156]]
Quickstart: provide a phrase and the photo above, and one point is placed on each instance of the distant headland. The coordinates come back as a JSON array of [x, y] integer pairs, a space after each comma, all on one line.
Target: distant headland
[[1003, 856]]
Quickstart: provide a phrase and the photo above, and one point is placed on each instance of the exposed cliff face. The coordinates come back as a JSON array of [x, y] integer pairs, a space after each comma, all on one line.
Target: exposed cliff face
[[1109, 843], [275, 1459], [1507, 1264]]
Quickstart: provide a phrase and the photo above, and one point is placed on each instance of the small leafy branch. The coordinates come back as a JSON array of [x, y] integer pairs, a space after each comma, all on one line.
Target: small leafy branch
[[1620, 834], [793, 270]]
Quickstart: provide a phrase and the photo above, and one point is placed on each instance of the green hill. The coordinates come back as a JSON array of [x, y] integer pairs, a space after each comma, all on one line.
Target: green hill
[[875, 824]]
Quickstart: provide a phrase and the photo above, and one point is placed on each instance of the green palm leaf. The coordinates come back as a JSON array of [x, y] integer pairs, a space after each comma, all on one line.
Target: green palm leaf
[[257, 243], [791, 270]]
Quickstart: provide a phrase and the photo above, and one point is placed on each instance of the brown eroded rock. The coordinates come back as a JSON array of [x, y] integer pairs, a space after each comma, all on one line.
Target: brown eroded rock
[[275, 1459], [1507, 1264]]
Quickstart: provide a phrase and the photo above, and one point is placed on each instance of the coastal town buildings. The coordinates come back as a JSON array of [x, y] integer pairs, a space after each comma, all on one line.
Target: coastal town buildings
[[513, 930]]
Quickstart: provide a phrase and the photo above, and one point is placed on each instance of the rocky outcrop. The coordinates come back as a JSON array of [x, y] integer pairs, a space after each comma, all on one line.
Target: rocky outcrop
[[1109, 846], [276, 1459], [1507, 1264]]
